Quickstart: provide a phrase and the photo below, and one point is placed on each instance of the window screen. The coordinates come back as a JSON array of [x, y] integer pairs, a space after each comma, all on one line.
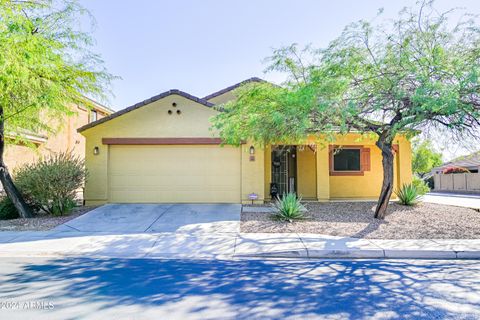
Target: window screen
[[346, 160]]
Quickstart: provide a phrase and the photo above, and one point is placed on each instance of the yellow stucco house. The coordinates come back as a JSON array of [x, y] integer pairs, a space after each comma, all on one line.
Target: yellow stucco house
[[66, 137], [162, 150]]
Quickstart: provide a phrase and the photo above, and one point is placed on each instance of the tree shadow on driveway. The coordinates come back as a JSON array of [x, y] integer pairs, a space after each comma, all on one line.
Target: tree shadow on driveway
[[251, 289]]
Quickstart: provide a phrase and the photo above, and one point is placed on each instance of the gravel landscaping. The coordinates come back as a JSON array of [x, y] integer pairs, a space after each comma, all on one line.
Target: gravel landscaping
[[355, 219], [41, 222]]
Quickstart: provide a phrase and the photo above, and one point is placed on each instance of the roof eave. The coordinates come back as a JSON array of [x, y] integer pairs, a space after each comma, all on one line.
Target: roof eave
[[232, 87], [98, 106]]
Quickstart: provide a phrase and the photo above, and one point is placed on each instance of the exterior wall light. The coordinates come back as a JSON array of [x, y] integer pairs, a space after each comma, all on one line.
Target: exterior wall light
[[252, 153], [96, 151]]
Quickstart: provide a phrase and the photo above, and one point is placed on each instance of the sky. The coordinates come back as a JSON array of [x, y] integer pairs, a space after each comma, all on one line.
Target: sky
[[203, 46]]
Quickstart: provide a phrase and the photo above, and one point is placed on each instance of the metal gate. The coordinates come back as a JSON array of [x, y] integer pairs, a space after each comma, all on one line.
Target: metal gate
[[284, 167]]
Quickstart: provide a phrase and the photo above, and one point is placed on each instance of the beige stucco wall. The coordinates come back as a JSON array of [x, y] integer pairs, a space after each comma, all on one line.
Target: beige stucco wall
[[368, 186], [253, 171], [472, 181], [323, 169], [223, 98], [469, 182], [18, 155], [306, 173], [64, 138]]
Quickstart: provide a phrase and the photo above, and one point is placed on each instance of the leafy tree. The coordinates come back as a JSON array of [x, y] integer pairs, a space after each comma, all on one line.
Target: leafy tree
[[46, 66], [416, 73], [425, 158]]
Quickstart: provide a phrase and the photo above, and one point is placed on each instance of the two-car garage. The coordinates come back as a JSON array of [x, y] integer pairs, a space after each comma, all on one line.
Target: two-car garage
[[174, 173]]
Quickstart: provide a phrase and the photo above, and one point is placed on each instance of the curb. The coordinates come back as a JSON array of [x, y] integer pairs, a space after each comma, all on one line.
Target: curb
[[366, 254]]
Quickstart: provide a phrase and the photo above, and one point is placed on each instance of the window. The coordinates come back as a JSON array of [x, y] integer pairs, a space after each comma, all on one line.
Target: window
[[93, 115], [349, 160], [346, 160]]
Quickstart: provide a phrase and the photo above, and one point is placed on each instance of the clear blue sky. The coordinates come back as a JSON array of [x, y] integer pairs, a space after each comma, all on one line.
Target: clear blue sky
[[203, 46]]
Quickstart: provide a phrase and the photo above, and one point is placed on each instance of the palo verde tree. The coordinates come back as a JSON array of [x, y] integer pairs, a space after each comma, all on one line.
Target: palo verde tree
[[46, 66], [415, 73]]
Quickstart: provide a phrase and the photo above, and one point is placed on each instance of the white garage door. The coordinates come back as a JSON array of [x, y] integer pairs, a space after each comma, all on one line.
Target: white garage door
[[174, 174]]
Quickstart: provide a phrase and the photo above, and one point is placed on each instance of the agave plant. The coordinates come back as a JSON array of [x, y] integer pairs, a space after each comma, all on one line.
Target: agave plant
[[408, 194], [289, 208]]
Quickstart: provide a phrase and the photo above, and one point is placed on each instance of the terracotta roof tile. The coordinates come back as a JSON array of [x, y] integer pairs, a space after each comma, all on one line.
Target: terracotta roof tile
[[233, 87]]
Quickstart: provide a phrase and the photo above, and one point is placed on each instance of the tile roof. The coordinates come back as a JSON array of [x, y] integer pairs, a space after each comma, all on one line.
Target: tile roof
[[233, 87], [469, 161]]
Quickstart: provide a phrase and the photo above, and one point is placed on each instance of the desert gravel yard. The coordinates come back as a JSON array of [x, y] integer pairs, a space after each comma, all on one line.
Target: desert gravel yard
[[41, 222], [355, 219]]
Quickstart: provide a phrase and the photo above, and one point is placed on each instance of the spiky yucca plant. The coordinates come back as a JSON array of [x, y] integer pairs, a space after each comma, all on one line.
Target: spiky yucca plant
[[289, 208], [408, 194]]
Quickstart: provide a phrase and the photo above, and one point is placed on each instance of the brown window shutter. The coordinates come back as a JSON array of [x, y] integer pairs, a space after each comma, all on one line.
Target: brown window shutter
[[366, 159]]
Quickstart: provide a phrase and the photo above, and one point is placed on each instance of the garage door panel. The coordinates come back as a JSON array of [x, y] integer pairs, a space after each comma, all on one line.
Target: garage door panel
[[174, 174]]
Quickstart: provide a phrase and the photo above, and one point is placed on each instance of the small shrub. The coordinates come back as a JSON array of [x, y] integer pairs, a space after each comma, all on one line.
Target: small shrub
[[408, 194], [455, 170], [289, 208], [8, 210], [421, 185], [51, 183]]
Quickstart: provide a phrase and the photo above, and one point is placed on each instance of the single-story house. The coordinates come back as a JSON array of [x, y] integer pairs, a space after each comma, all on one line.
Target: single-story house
[[471, 162], [163, 150]]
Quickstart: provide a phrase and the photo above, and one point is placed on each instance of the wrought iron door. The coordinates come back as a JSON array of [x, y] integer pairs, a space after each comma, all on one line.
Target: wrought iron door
[[284, 169]]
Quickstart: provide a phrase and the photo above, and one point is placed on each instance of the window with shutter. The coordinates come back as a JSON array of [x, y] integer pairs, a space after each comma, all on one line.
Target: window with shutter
[[366, 159], [349, 160]]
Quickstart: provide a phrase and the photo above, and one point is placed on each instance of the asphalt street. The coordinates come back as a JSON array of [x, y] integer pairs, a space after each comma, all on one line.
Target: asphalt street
[[81, 288]]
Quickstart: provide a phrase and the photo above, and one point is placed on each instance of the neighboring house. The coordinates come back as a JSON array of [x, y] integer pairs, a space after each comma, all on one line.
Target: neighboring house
[[458, 182], [163, 150], [470, 162], [66, 138]]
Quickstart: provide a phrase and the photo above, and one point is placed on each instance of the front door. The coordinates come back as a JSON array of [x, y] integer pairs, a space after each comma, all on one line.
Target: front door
[[284, 170]]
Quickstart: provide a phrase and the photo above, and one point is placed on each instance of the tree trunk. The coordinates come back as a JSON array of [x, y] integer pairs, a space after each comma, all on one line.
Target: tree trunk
[[12, 192], [387, 185]]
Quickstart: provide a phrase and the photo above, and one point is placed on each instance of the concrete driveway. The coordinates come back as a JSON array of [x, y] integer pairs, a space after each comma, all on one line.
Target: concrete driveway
[[158, 218]]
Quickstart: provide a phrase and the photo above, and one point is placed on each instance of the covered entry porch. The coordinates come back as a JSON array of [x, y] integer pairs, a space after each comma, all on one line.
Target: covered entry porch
[[348, 169], [296, 168]]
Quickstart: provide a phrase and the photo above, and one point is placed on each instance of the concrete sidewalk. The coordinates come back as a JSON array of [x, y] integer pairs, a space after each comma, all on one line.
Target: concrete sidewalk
[[228, 245]]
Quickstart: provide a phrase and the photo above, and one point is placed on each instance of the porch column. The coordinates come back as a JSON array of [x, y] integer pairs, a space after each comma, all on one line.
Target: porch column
[[323, 173]]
